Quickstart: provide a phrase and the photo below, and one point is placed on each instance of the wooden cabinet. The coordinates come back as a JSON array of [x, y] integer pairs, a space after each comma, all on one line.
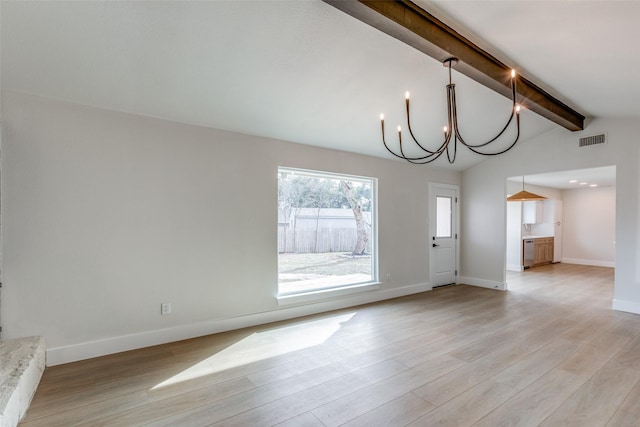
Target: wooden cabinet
[[543, 251]]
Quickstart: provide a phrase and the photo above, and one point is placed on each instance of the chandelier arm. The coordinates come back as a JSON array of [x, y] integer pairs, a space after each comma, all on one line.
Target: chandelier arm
[[455, 151], [472, 146], [506, 149], [506, 126], [452, 119], [431, 159], [392, 152], [422, 163], [415, 160], [387, 147], [414, 138], [418, 160]]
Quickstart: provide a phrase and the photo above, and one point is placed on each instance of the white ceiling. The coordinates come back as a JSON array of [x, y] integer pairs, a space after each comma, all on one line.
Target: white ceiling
[[305, 72], [573, 179]]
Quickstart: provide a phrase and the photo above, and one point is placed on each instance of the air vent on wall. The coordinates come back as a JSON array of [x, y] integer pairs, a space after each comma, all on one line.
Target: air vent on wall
[[592, 140]]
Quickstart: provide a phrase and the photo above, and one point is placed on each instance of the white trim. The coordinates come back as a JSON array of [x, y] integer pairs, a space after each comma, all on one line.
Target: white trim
[[483, 283], [324, 294], [515, 267], [594, 263], [628, 306], [89, 349]]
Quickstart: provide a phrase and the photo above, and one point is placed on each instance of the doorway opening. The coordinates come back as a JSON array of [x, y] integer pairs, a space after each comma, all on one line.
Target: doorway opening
[[575, 225]]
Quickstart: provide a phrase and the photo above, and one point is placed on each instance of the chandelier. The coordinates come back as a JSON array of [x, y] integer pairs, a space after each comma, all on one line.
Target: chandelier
[[451, 131]]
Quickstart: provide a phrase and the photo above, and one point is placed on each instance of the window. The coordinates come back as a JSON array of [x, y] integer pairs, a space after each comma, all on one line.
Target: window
[[326, 232], [443, 216]]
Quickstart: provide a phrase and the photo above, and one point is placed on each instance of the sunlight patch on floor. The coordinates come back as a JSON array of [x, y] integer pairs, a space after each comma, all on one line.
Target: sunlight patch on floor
[[263, 345]]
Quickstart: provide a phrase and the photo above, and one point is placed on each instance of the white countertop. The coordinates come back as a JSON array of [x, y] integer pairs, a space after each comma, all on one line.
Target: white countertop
[[535, 237]]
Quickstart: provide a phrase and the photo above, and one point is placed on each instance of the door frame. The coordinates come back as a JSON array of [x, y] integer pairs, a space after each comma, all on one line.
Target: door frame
[[431, 226]]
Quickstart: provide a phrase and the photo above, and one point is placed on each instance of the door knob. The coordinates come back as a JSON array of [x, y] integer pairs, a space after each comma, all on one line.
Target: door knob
[[434, 245]]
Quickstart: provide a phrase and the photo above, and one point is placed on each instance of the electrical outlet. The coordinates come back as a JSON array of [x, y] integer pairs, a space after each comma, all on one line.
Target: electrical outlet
[[165, 308]]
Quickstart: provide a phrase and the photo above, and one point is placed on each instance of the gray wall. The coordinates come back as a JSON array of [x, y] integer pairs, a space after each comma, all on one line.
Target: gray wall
[[107, 214], [483, 194], [589, 226]]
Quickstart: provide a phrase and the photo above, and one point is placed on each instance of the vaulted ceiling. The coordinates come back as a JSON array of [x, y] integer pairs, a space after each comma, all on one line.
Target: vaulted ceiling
[[304, 71]]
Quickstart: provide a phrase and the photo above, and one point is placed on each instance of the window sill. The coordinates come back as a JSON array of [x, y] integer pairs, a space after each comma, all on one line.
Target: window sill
[[304, 297]]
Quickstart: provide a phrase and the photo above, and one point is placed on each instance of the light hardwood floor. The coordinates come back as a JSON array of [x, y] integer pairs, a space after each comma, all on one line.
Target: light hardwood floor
[[548, 352]]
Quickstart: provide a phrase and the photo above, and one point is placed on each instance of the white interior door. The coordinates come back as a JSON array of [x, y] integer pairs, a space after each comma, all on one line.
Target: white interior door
[[443, 233]]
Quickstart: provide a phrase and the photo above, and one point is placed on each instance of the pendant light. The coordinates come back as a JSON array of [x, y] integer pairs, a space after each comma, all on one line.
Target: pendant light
[[524, 196]]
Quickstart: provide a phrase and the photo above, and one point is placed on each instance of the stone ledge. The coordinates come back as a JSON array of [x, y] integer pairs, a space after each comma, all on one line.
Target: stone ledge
[[22, 364]]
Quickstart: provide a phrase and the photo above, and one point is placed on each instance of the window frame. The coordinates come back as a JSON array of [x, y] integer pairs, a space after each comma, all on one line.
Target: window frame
[[310, 295]]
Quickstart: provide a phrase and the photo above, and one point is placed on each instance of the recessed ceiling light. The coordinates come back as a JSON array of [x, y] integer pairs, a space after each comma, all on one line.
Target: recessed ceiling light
[[593, 185], [573, 181], [583, 183]]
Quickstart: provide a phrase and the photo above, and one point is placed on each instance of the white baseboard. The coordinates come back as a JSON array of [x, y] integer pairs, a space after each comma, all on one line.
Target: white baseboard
[[483, 283], [102, 347], [515, 267], [628, 306], [594, 263]]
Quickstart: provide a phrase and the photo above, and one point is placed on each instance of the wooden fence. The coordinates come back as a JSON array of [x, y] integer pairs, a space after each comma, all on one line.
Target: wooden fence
[[312, 230], [308, 241]]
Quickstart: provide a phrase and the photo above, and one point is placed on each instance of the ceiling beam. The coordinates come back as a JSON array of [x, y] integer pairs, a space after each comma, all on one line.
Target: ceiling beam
[[414, 26]]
